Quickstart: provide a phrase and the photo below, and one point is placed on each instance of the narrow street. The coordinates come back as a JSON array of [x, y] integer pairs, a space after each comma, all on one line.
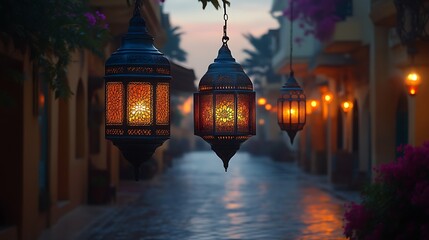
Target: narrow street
[[195, 199]]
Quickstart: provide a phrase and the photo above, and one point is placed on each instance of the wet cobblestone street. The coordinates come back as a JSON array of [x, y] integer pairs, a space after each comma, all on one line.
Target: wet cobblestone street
[[195, 199]]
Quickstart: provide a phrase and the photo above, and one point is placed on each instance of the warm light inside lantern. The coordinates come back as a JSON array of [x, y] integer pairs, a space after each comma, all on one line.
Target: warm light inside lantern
[[139, 102], [262, 101], [290, 113], [412, 82], [328, 97], [268, 107], [346, 105]]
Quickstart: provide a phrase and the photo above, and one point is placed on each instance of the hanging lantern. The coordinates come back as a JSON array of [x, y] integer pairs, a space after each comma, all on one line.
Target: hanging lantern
[[291, 108], [137, 85], [347, 106], [291, 105], [328, 97], [312, 105], [412, 82], [224, 106]]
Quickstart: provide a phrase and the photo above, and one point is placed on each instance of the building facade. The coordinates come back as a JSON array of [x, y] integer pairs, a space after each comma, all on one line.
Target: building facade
[[363, 64], [55, 157]]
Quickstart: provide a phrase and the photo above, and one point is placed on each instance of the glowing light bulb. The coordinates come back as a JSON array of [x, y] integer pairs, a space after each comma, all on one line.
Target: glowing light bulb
[[262, 101], [314, 104], [347, 105], [328, 97]]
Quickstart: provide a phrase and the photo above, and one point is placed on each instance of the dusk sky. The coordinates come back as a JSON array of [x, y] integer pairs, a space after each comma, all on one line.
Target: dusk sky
[[203, 28]]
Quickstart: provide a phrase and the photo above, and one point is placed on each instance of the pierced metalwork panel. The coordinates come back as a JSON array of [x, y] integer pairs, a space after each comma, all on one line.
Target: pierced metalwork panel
[[143, 132], [114, 132], [114, 103], [162, 104], [206, 111], [225, 113], [243, 112], [163, 132]]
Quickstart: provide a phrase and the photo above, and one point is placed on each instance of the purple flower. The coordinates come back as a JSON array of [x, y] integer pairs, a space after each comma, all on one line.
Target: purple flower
[[90, 18], [100, 15]]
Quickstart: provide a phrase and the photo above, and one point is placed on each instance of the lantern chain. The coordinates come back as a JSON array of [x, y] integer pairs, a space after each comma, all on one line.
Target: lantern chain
[[137, 8], [225, 37], [291, 34]]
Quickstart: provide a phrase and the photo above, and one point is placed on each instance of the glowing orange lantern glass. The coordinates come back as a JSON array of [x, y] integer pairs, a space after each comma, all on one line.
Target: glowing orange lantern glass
[[137, 84], [412, 82]]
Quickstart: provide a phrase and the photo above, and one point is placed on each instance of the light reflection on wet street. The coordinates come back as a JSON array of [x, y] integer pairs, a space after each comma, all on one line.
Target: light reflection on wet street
[[256, 199]]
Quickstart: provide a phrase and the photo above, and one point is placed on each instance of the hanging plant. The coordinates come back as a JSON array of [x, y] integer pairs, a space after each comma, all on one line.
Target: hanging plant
[[51, 31], [396, 206], [318, 17]]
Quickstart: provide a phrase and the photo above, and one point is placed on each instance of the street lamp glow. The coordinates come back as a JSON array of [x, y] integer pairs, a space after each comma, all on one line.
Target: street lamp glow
[[412, 82], [328, 97], [347, 106], [268, 107], [262, 101]]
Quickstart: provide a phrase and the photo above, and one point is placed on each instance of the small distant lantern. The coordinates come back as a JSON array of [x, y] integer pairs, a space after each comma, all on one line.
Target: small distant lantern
[[137, 85], [268, 107], [291, 105], [312, 106], [262, 101], [346, 106], [291, 108], [328, 97], [225, 104], [412, 82]]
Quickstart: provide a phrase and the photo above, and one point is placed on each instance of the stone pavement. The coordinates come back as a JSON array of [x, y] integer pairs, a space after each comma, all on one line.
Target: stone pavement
[[257, 199]]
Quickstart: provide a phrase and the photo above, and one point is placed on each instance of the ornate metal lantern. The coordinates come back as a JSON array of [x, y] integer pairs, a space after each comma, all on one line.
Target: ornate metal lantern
[[137, 85], [291, 105], [291, 108], [224, 106]]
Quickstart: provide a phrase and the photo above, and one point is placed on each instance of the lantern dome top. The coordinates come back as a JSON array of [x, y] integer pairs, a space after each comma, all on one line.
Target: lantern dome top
[[137, 55], [291, 84], [225, 74]]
